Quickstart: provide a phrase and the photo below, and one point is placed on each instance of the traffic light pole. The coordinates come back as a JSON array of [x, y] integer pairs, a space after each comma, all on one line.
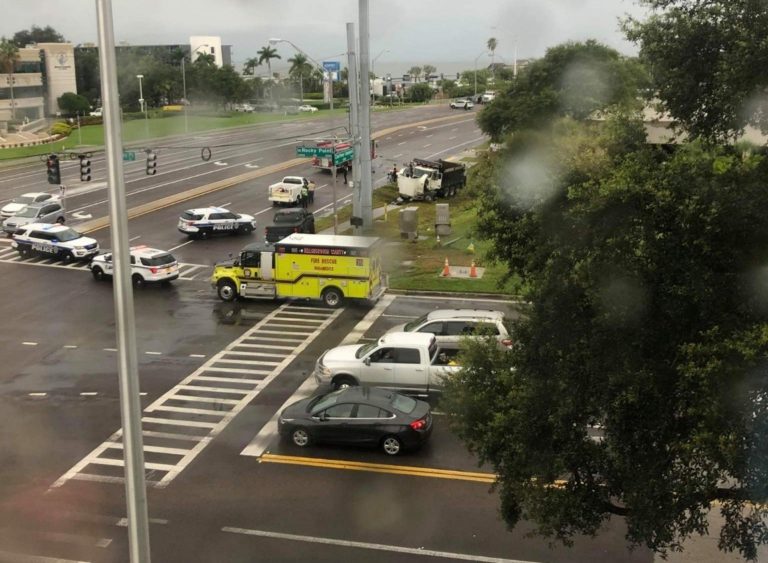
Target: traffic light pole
[[128, 372]]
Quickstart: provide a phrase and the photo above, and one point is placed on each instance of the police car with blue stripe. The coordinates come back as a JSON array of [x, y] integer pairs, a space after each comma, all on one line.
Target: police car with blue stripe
[[57, 241], [207, 221]]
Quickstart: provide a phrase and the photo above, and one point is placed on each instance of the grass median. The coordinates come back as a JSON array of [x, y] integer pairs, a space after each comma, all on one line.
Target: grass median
[[417, 264]]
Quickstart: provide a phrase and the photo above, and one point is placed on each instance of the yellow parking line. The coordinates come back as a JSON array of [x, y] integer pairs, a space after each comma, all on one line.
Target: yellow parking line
[[381, 468]]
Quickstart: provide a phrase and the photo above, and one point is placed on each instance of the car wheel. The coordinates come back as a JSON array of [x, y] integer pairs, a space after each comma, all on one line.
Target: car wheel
[[427, 197], [332, 297], [24, 251], [68, 258], [344, 382], [138, 281], [60, 220], [227, 290], [203, 234], [98, 274], [391, 445], [300, 437], [245, 229]]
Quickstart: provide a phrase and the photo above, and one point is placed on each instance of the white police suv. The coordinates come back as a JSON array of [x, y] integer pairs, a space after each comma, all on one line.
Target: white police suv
[[148, 265], [207, 221], [58, 241]]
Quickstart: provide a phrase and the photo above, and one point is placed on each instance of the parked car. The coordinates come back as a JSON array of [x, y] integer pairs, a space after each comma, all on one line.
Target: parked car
[[245, 108], [409, 362], [462, 104], [98, 112], [20, 202], [148, 265], [364, 416], [207, 221], [307, 108], [56, 241], [51, 211], [287, 221], [451, 325]]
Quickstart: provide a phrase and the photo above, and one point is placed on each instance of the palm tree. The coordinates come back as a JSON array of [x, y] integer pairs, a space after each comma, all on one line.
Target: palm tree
[[9, 56], [492, 44], [415, 71], [251, 64], [428, 71], [267, 53], [206, 59], [300, 67]]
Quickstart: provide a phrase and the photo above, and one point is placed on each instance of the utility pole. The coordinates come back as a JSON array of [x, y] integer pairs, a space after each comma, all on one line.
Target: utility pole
[[184, 90], [354, 128], [366, 180], [125, 322]]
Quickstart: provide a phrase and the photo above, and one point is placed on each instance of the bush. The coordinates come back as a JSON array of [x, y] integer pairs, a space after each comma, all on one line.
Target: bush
[[61, 128]]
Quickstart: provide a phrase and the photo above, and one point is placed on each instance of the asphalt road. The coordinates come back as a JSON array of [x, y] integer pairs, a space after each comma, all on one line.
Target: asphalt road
[[222, 487]]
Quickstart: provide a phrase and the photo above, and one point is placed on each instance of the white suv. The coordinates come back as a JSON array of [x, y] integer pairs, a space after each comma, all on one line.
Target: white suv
[[462, 104], [20, 202], [147, 265], [451, 325], [207, 221], [58, 241]]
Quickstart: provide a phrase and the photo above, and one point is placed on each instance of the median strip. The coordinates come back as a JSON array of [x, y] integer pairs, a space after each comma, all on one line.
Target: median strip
[[380, 468]]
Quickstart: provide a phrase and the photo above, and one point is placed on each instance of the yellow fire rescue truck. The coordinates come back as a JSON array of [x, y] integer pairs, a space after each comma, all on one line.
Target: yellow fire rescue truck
[[326, 267]]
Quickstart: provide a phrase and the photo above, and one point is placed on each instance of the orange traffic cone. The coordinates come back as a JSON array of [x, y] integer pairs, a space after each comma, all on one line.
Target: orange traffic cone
[[446, 269], [473, 270]]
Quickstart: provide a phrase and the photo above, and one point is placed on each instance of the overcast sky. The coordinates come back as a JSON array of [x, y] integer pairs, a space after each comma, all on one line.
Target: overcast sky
[[417, 31]]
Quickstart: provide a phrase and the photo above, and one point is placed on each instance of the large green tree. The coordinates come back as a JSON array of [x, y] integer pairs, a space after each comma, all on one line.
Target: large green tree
[[638, 383], [9, 58], [573, 79], [37, 34], [73, 104], [708, 60]]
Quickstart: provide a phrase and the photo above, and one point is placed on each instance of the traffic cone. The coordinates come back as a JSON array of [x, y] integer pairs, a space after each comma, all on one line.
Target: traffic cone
[[473, 270], [446, 269]]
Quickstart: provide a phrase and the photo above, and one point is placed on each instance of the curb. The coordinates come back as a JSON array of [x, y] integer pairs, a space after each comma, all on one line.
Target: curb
[[493, 296]]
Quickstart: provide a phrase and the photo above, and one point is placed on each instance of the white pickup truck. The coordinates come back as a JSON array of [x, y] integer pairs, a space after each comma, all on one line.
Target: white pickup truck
[[288, 192], [408, 362]]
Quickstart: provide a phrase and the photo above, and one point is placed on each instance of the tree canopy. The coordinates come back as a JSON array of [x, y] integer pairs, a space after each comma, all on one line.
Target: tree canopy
[[573, 79], [637, 385], [37, 34], [707, 61], [73, 104]]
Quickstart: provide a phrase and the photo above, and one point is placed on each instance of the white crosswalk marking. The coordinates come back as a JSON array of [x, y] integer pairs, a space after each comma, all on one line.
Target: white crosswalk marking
[[205, 402]]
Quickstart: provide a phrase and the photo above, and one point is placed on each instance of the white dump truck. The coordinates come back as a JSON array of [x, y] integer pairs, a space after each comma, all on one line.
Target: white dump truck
[[427, 179], [288, 191]]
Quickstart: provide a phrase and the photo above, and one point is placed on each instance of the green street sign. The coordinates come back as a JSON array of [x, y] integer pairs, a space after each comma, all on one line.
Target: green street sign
[[344, 155], [313, 151], [129, 155]]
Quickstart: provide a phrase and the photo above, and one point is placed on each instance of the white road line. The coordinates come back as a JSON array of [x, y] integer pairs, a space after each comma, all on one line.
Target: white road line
[[212, 389], [88, 393], [260, 346], [170, 436], [176, 422], [70, 346], [398, 316], [368, 320], [134, 238], [110, 349], [427, 146], [451, 138], [251, 382], [188, 410], [154, 449], [153, 353], [428, 136], [372, 546], [197, 355], [37, 394], [24, 558], [192, 398], [238, 370], [29, 343], [190, 241], [400, 143], [473, 299], [260, 354], [249, 363], [123, 522]]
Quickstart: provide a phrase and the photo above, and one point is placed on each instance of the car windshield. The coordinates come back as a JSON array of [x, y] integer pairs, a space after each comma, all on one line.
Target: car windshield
[[28, 212], [292, 181], [24, 199], [403, 403], [67, 235], [324, 401], [411, 326], [364, 349]]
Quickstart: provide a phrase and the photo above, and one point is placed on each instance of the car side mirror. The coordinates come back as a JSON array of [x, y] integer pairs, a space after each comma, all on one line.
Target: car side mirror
[[367, 361]]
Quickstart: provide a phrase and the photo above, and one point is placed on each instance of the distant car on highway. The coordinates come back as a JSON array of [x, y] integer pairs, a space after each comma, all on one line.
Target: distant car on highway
[[98, 112], [307, 108], [462, 104], [51, 211], [245, 108], [359, 416], [148, 265], [57, 241], [207, 221], [20, 202]]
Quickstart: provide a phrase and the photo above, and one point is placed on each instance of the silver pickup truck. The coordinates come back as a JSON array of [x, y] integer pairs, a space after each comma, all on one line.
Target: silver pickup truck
[[408, 362]]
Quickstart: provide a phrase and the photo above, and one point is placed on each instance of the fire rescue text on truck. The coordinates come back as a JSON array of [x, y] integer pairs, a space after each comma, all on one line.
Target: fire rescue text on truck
[[326, 267]]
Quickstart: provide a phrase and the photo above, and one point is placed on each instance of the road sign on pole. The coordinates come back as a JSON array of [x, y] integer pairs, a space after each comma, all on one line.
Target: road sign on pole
[[332, 66], [129, 156]]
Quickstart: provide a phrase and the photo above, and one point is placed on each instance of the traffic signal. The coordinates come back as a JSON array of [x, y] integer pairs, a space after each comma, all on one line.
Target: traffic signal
[[85, 168], [151, 163], [54, 172]]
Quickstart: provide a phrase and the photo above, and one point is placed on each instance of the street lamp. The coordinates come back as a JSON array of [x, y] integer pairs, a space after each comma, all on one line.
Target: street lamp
[[476, 58], [373, 62], [142, 103]]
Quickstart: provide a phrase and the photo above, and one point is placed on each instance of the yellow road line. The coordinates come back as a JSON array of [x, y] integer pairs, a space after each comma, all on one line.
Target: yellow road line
[[381, 468]]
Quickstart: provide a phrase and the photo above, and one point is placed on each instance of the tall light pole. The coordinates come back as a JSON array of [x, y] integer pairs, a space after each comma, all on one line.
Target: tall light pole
[[143, 106], [476, 58], [373, 72]]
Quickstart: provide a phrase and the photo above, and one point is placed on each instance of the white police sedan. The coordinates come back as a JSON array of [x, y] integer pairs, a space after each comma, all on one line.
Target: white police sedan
[[207, 221]]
